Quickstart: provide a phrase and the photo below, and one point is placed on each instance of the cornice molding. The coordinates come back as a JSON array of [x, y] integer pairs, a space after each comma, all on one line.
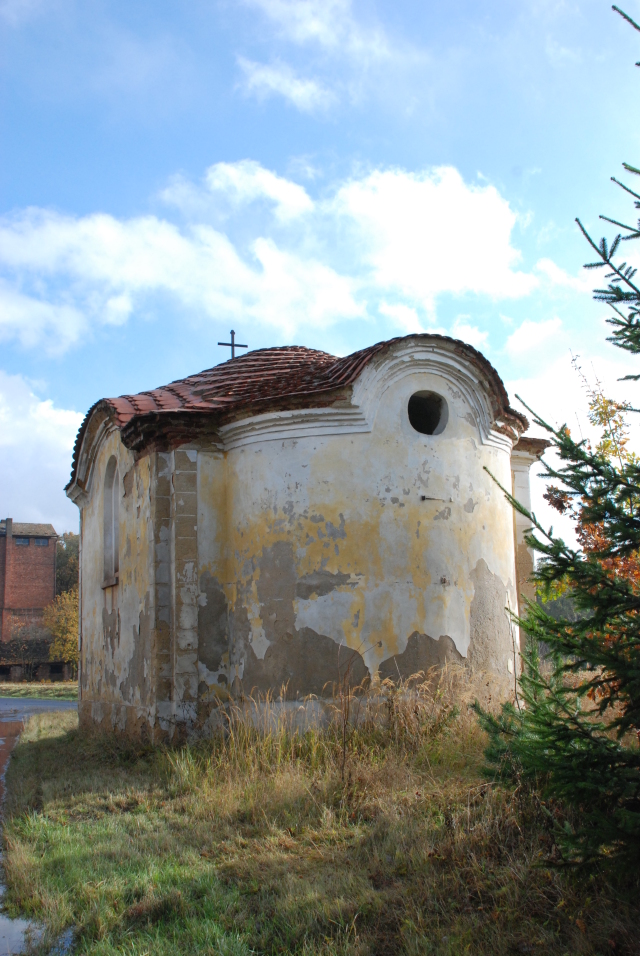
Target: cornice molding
[[358, 416], [353, 412], [300, 423]]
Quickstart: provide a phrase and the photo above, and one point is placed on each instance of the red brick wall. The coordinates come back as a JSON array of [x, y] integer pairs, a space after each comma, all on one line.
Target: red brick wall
[[29, 578], [2, 614], [2, 553]]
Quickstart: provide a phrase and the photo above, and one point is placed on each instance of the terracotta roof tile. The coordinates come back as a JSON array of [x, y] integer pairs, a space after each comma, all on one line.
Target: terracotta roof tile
[[267, 377]]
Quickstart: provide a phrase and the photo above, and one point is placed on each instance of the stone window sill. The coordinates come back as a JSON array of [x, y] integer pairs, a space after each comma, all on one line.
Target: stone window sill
[[109, 582]]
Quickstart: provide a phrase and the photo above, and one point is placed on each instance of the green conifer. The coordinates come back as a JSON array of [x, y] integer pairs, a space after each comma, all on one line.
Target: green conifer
[[574, 728]]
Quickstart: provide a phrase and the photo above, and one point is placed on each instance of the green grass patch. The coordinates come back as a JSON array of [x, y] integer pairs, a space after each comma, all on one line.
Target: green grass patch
[[60, 690], [255, 843]]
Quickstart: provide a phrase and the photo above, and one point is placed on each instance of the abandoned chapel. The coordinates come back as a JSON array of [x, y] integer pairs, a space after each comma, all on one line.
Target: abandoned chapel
[[286, 515]]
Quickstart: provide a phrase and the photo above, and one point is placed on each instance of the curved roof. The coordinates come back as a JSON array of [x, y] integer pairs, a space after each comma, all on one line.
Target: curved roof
[[286, 377]]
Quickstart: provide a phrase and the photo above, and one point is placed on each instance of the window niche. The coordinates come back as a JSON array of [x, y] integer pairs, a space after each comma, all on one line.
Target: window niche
[[111, 523], [428, 413]]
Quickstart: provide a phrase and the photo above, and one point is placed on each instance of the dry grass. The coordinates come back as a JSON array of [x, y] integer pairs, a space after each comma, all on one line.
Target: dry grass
[[254, 842]]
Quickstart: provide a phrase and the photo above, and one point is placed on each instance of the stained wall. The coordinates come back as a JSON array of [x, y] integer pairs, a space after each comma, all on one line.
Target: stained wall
[[117, 626], [384, 551], [295, 549]]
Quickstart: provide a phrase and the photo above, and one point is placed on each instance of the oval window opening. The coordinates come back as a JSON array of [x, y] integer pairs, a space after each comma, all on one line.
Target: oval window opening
[[428, 413]]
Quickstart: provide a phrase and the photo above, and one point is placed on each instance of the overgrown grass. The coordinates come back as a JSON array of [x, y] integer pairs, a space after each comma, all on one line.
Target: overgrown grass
[[254, 842], [60, 690]]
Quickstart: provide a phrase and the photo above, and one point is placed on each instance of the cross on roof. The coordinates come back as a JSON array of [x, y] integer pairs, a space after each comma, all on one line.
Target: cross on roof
[[233, 345]]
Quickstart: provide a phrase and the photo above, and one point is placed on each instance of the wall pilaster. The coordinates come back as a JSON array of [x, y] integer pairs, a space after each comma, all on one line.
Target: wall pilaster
[[185, 582]]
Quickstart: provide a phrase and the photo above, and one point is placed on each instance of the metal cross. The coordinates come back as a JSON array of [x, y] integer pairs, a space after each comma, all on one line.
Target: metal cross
[[233, 345]]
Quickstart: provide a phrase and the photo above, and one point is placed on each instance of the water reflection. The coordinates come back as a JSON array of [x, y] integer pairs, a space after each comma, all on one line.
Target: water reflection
[[19, 935]]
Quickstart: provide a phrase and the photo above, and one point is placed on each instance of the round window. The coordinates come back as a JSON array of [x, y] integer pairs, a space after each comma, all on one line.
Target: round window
[[428, 413]]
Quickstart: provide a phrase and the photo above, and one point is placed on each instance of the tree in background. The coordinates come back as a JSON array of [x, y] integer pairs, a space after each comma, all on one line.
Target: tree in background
[[574, 728], [67, 562], [61, 619]]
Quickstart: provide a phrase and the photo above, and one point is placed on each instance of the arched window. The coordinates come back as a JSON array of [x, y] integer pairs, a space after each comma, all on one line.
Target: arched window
[[111, 521]]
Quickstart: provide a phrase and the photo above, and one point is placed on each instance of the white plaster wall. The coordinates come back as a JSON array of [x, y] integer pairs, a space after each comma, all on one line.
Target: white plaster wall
[[350, 504], [113, 666], [520, 470]]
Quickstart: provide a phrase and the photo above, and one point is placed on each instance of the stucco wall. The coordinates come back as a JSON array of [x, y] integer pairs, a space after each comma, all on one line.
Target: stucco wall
[[318, 551], [296, 546], [117, 683]]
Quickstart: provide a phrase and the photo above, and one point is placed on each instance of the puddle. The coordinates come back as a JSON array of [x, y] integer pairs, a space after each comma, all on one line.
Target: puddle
[[19, 935], [16, 934]]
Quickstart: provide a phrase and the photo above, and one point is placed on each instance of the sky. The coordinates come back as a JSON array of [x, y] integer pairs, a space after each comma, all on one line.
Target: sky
[[328, 173]]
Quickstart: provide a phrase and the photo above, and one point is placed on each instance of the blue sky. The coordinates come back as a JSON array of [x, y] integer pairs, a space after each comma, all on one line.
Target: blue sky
[[320, 172]]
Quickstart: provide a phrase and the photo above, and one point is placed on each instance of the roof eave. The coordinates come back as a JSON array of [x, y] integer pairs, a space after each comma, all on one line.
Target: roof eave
[[99, 420]]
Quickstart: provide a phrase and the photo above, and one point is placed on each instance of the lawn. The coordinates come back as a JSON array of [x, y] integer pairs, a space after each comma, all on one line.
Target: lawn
[[60, 690], [258, 842]]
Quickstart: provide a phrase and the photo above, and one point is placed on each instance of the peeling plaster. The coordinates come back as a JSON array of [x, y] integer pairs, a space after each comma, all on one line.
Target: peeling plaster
[[297, 561]]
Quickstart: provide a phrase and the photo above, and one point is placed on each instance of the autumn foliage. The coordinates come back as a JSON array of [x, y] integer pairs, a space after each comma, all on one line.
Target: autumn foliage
[[61, 618]]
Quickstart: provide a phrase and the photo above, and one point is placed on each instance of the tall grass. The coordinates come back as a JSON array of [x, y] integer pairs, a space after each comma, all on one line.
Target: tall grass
[[371, 832], [265, 733]]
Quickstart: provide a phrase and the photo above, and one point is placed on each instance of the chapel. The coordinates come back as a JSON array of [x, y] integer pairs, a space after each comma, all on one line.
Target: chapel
[[289, 517]]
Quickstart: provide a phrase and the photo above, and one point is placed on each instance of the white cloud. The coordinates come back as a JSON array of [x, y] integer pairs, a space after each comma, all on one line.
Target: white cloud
[[36, 442], [558, 277], [557, 395], [408, 225], [532, 335], [117, 309], [404, 316], [469, 333], [304, 20], [388, 240], [33, 322], [295, 293], [108, 264], [227, 187], [263, 80], [352, 55], [246, 181], [328, 23]]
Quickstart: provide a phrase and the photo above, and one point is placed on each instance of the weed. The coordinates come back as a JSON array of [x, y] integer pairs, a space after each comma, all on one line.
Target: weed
[[257, 841]]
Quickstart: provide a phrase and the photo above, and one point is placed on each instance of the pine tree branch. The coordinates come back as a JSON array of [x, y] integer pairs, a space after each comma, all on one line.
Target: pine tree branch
[[605, 258], [615, 222], [623, 186], [625, 16]]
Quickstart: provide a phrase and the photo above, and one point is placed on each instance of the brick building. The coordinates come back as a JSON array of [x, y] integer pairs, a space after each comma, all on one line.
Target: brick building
[[27, 585]]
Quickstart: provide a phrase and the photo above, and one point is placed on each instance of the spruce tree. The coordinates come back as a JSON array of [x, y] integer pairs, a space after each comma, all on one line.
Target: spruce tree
[[574, 728]]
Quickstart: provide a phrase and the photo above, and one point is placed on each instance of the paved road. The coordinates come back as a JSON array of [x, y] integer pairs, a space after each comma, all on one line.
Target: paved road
[[19, 708]]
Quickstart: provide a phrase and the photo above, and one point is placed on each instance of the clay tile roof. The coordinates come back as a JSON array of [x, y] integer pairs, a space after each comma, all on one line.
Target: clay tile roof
[[257, 380], [265, 374], [24, 530]]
